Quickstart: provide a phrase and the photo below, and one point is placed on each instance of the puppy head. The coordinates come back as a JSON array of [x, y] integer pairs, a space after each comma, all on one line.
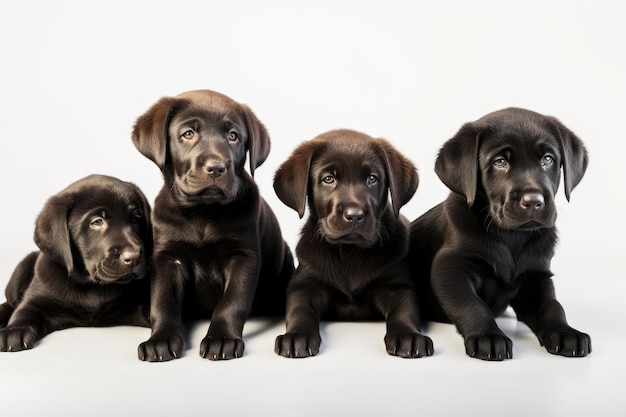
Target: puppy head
[[98, 225], [512, 159], [199, 140], [346, 177]]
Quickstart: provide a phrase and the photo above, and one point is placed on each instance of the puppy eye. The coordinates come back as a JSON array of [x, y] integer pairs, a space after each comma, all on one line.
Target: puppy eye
[[137, 218], [500, 162], [188, 134], [97, 223], [372, 179], [328, 179], [547, 160], [233, 136]]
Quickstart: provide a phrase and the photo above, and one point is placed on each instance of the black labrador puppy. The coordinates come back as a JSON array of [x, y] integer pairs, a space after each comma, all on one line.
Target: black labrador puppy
[[489, 244], [219, 251], [94, 238], [352, 251]]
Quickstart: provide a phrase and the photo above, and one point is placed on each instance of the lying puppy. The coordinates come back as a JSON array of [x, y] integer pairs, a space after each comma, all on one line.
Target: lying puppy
[[489, 244], [352, 252], [217, 242], [95, 237]]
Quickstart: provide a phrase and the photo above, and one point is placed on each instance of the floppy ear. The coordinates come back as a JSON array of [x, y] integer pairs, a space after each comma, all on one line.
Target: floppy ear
[[258, 139], [148, 241], [51, 233], [575, 158], [150, 130], [291, 180], [457, 162], [402, 174]]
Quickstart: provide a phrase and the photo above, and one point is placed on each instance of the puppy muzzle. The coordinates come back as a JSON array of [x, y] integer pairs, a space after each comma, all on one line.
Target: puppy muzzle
[[527, 211], [351, 226], [120, 269], [214, 184]]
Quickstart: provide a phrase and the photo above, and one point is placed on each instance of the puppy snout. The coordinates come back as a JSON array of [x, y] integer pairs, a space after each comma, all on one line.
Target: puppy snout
[[215, 168], [354, 216], [130, 258], [532, 201]]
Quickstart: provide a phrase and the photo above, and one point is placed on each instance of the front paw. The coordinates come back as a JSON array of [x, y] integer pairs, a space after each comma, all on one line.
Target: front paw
[[221, 348], [408, 345], [567, 342], [161, 348], [490, 347], [16, 338], [298, 345]]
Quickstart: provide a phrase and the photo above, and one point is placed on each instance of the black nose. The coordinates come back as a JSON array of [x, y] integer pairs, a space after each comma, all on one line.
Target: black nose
[[130, 258], [215, 169], [532, 201], [354, 216]]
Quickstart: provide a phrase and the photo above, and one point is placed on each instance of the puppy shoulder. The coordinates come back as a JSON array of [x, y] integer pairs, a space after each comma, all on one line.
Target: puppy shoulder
[[21, 278], [394, 232], [49, 281]]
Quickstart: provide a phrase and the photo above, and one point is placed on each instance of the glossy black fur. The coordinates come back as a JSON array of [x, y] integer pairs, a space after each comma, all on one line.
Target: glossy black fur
[[490, 243], [219, 252], [352, 252], [95, 237]]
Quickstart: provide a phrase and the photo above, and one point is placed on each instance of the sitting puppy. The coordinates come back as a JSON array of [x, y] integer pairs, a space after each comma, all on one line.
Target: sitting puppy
[[219, 252], [489, 244], [95, 237], [352, 252]]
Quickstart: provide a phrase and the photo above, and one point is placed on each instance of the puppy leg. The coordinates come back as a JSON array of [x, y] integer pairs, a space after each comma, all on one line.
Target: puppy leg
[[453, 283], [166, 297], [5, 313], [224, 337], [536, 305], [305, 303], [403, 338], [19, 282], [22, 324]]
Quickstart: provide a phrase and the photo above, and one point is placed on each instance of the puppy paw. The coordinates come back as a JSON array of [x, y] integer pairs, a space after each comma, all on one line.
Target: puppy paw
[[160, 348], [16, 338], [567, 342], [408, 345], [298, 345], [221, 348], [489, 347]]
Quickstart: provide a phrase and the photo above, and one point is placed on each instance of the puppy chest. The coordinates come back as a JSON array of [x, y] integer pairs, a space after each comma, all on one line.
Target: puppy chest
[[498, 278], [96, 307], [207, 268], [513, 258], [207, 235], [350, 299], [353, 306], [203, 279], [203, 236]]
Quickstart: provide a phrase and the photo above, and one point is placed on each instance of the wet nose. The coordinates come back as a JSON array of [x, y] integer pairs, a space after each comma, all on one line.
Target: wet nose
[[532, 201], [354, 216], [215, 168], [130, 258]]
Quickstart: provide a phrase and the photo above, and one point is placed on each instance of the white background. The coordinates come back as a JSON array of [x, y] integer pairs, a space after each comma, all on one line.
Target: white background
[[74, 76]]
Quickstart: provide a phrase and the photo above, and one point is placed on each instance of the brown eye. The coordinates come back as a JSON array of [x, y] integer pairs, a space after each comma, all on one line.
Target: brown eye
[[188, 134], [328, 179]]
